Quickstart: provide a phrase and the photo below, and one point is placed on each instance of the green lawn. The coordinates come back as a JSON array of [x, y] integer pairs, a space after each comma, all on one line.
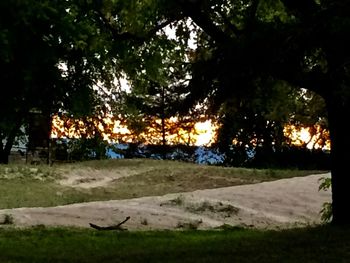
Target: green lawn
[[320, 244]]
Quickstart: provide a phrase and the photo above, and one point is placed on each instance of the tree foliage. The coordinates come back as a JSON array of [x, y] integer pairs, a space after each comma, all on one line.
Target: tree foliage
[[240, 43], [53, 54], [301, 42]]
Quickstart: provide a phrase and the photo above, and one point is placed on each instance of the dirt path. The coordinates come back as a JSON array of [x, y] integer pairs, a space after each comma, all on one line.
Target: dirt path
[[278, 204], [90, 178]]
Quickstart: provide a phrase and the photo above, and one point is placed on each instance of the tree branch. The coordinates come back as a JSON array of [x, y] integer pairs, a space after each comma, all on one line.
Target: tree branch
[[251, 15], [115, 227], [193, 10], [227, 22], [305, 8], [127, 36]]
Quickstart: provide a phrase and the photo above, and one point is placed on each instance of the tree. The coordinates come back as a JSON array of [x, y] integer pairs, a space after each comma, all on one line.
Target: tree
[[159, 82], [255, 128], [253, 123], [310, 112], [52, 57], [301, 42]]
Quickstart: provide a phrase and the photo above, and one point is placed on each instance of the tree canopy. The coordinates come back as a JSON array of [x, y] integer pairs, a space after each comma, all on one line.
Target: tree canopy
[[240, 43], [301, 42], [53, 56]]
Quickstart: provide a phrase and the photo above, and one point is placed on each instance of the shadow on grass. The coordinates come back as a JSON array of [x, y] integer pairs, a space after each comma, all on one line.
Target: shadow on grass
[[318, 244]]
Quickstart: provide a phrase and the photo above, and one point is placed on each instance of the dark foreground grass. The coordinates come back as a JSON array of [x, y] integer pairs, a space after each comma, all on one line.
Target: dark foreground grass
[[320, 244]]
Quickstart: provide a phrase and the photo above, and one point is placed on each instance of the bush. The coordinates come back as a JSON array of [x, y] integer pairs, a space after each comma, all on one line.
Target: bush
[[326, 211]]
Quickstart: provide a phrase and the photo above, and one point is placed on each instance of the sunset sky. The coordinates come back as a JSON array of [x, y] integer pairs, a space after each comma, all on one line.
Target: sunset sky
[[203, 134]]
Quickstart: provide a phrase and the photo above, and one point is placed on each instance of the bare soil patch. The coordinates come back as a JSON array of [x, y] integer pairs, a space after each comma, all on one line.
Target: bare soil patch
[[92, 178], [278, 204]]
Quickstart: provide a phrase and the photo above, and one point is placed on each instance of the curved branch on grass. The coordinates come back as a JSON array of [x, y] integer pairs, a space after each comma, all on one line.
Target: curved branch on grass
[[114, 227]]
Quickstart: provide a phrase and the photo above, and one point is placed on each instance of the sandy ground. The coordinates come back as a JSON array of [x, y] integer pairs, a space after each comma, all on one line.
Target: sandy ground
[[90, 178], [279, 204]]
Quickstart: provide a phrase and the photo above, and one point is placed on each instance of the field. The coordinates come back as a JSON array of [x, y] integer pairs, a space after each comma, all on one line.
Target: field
[[33, 186], [202, 212]]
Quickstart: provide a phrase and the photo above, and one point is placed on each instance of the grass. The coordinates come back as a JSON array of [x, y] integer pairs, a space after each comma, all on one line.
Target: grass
[[29, 186], [7, 220], [25, 186], [319, 244], [217, 208]]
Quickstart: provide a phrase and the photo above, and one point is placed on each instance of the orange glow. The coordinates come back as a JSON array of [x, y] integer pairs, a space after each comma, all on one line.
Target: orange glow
[[311, 137], [202, 133], [113, 130], [205, 133]]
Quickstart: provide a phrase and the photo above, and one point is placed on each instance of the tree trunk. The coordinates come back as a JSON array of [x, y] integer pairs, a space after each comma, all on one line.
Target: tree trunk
[[5, 150], [4, 158], [163, 124], [338, 111]]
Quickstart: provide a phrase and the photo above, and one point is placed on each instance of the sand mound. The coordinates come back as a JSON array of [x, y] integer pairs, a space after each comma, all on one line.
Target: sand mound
[[279, 204]]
